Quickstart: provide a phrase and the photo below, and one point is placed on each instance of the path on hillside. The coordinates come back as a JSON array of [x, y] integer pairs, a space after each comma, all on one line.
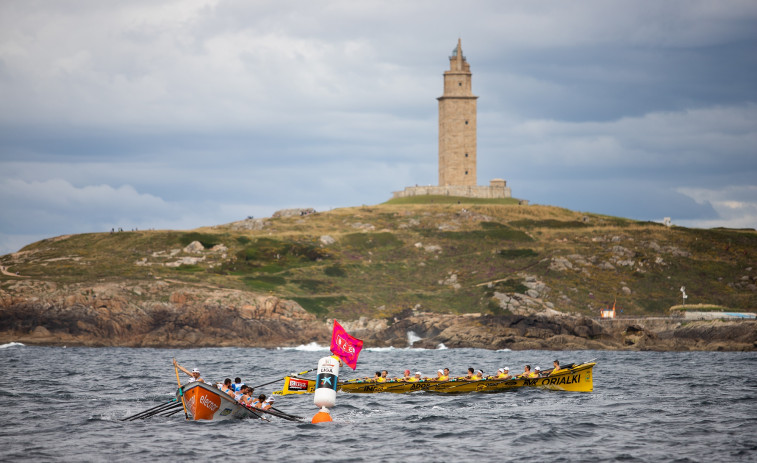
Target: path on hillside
[[4, 271]]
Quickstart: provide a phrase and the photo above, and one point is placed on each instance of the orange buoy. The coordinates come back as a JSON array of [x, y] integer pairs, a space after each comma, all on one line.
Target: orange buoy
[[323, 416]]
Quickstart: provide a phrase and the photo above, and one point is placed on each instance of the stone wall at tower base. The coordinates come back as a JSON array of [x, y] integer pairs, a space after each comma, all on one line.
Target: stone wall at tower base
[[455, 190]]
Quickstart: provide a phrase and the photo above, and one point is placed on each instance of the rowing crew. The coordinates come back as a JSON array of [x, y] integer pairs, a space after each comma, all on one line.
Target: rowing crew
[[472, 375], [239, 391]]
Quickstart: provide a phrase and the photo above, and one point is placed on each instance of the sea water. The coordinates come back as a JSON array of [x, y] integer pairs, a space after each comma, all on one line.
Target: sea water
[[65, 404]]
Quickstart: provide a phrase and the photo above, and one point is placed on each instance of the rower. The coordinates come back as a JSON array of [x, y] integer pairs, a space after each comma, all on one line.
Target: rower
[[416, 378], [226, 386], [471, 373], [406, 376], [384, 375], [526, 372], [257, 403], [268, 403], [536, 373], [237, 386], [478, 375], [556, 368], [440, 376], [446, 372], [194, 375], [503, 373]]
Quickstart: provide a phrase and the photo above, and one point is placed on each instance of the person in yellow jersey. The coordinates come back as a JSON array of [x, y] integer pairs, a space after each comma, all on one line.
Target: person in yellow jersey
[[416, 378], [470, 374], [536, 373], [477, 375], [385, 375], [440, 376], [503, 373], [406, 376], [526, 372], [556, 368]]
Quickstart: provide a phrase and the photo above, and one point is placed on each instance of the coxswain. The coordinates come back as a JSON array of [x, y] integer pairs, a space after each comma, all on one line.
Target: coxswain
[[556, 368], [194, 375]]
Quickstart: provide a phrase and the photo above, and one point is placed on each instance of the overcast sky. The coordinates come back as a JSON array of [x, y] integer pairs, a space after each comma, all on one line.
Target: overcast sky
[[157, 114]]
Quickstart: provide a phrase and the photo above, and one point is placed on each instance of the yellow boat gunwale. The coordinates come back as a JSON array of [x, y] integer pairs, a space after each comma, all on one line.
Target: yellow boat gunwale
[[576, 379], [579, 378]]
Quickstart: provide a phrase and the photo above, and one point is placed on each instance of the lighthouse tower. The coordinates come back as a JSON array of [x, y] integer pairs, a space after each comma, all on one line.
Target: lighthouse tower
[[457, 124]]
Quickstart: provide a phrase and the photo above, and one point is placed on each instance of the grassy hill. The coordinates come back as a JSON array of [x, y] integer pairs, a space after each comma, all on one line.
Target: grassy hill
[[442, 254]]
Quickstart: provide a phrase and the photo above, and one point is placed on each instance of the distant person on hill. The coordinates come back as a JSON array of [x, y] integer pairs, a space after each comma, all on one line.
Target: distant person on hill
[[194, 375]]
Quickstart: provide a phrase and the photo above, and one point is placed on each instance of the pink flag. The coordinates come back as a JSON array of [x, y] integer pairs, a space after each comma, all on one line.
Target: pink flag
[[345, 346]]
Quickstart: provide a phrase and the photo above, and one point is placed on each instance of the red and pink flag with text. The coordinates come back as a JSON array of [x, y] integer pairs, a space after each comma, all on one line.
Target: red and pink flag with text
[[345, 346]]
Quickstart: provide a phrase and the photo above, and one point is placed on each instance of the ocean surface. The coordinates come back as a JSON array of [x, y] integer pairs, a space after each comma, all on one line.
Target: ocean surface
[[65, 404]]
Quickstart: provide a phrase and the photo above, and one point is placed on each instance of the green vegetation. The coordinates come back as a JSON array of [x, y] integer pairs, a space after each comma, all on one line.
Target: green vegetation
[[409, 253]]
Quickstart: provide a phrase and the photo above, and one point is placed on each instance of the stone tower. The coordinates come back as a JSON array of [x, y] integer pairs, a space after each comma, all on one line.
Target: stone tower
[[457, 124]]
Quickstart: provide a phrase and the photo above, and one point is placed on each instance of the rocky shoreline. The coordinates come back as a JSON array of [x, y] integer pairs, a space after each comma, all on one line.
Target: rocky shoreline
[[126, 316]]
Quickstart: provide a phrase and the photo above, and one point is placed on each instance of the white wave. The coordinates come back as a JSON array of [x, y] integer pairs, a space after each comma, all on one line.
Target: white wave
[[312, 347], [412, 337], [11, 344], [503, 350], [441, 346], [381, 349]]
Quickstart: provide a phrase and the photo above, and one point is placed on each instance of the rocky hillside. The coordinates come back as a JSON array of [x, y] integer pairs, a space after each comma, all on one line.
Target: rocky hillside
[[275, 281]]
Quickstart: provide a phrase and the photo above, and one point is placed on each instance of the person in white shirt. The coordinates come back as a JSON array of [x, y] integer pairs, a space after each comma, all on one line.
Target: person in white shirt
[[194, 375]]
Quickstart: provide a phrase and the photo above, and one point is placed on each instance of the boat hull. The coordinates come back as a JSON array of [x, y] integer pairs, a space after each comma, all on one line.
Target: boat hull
[[577, 379], [205, 402]]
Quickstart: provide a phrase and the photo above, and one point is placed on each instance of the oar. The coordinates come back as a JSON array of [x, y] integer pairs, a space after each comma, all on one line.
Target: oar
[[145, 412], [289, 414], [181, 391], [281, 379], [285, 416], [147, 415], [168, 411]]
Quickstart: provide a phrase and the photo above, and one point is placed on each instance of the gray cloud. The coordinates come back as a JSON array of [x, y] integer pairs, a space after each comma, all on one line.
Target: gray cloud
[[198, 112]]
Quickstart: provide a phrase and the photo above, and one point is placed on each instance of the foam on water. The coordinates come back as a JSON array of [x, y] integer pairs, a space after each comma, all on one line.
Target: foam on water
[[11, 344]]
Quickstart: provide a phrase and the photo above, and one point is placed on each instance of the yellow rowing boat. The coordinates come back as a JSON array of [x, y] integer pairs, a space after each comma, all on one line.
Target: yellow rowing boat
[[578, 378]]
